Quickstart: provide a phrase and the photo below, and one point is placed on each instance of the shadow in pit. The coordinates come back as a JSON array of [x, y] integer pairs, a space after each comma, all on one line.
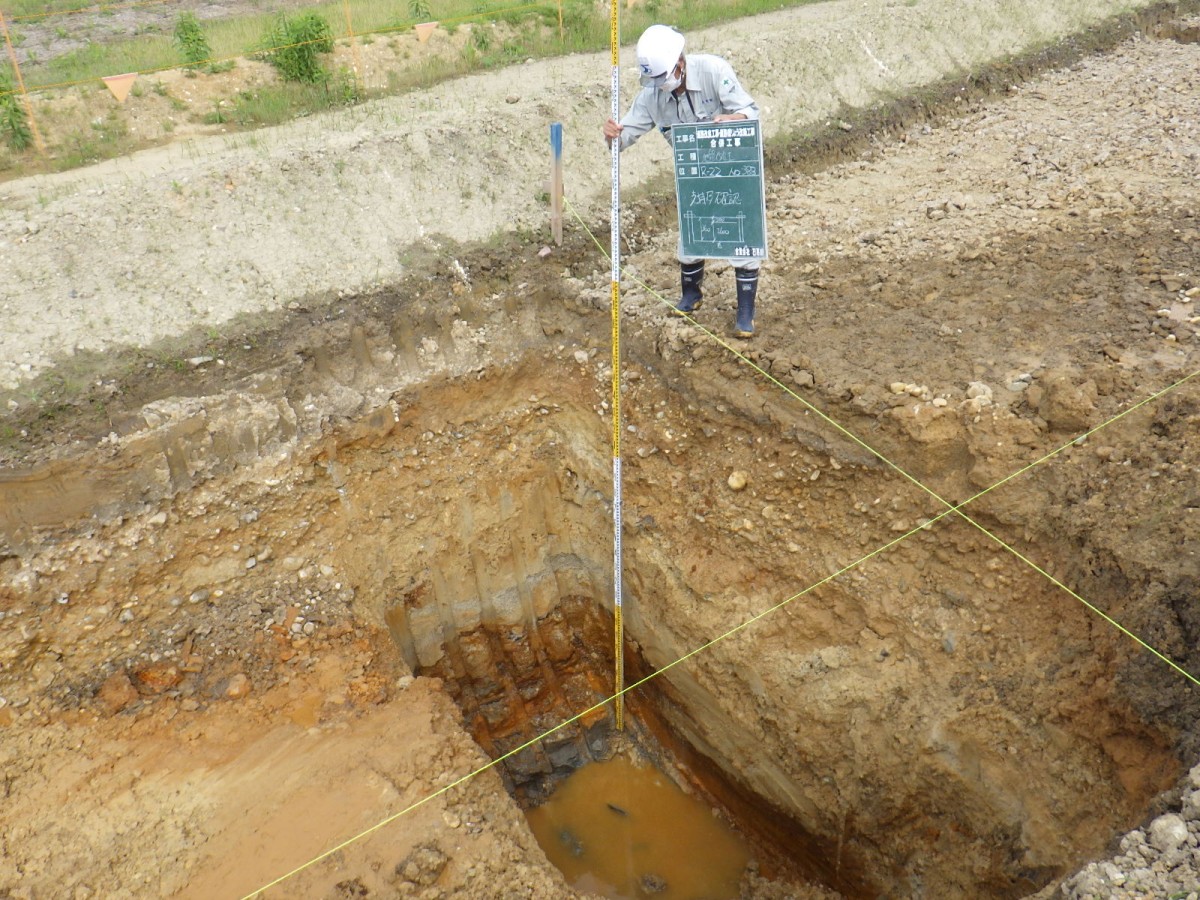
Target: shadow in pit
[[514, 684], [781, 844]]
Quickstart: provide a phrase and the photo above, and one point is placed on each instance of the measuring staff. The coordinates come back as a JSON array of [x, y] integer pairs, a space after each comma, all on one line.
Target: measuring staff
[[679, 89]]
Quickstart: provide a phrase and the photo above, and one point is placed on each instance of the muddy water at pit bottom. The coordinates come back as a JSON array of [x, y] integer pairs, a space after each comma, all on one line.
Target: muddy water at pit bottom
[[657, 841]]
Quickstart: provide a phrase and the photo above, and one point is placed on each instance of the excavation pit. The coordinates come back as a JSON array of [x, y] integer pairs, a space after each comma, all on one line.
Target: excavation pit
[[931, 716], [902, 711], [517, 682], [223, 592], [938, 714]]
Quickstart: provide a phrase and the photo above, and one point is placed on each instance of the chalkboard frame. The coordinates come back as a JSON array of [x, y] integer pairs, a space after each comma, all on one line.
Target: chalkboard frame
[[721, 209]]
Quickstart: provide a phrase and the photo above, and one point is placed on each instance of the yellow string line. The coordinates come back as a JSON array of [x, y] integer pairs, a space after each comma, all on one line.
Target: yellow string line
[[771, 610], [950, 508], [479, 17], [474, 17], [616, 695], [55, 85], [924, 526], [1103, 615], [20, 86], [492, 12], [358, 69], [177, 65]]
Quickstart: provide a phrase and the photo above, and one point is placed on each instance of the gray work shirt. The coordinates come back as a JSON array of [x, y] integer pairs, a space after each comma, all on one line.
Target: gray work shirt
[[712, 90]]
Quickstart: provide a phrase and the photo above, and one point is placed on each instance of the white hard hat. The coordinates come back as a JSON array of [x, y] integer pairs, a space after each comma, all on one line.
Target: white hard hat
[[658, 50]]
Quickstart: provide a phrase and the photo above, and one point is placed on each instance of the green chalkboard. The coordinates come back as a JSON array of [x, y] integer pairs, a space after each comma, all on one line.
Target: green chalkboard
[[719, 189]]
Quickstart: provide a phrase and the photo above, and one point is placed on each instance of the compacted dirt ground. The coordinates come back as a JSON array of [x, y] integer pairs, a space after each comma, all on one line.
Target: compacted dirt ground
[[284, 580]]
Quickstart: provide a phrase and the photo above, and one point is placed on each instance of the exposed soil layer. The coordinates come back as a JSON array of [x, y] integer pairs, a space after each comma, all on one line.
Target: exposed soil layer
[[898, 715], [213, 614]]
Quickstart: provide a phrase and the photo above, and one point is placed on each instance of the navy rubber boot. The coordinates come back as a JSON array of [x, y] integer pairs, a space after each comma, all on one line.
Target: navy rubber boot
[[747, 290], [690, 277]]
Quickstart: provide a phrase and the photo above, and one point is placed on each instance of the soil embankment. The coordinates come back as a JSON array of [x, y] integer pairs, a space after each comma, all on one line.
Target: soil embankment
[[219, 577]]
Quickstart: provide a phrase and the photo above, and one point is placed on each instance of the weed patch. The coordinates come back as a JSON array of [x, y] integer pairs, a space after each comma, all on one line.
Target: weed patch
[[292, 46], [14, 124], [190, 39], [280, 103]]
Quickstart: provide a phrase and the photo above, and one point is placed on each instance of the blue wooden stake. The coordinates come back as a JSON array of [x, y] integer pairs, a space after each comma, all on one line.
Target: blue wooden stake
[[556, 182]]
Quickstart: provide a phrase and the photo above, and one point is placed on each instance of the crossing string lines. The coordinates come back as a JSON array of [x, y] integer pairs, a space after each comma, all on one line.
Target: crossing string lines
[[601, 704], [737, 629], [955, 509], [950, 508]]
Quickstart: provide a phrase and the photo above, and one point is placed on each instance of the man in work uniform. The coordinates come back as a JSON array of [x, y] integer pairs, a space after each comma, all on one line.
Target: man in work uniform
[[679, 89]]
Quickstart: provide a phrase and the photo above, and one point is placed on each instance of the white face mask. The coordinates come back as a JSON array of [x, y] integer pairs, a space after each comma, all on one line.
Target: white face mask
[[672, 81]]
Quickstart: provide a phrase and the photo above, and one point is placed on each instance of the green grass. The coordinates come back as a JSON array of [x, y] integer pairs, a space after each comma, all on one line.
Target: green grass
[[280, 103], [585, 24], [95, 60], [190, 40], [14, 123], [528, 30], [293, 46], [16, 9], [101, 139]]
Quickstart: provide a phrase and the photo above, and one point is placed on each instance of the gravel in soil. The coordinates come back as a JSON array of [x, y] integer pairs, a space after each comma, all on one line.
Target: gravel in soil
[[969, 295]]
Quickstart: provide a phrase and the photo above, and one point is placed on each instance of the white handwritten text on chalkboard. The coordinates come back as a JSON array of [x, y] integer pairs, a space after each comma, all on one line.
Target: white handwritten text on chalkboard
[[717, 198], [720, 191]]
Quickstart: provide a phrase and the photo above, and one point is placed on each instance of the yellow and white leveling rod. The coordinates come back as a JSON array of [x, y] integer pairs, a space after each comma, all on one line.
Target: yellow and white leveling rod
[[615, 254]]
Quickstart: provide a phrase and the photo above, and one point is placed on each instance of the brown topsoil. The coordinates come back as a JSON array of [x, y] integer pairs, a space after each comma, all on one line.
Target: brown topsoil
[[927, 541]]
